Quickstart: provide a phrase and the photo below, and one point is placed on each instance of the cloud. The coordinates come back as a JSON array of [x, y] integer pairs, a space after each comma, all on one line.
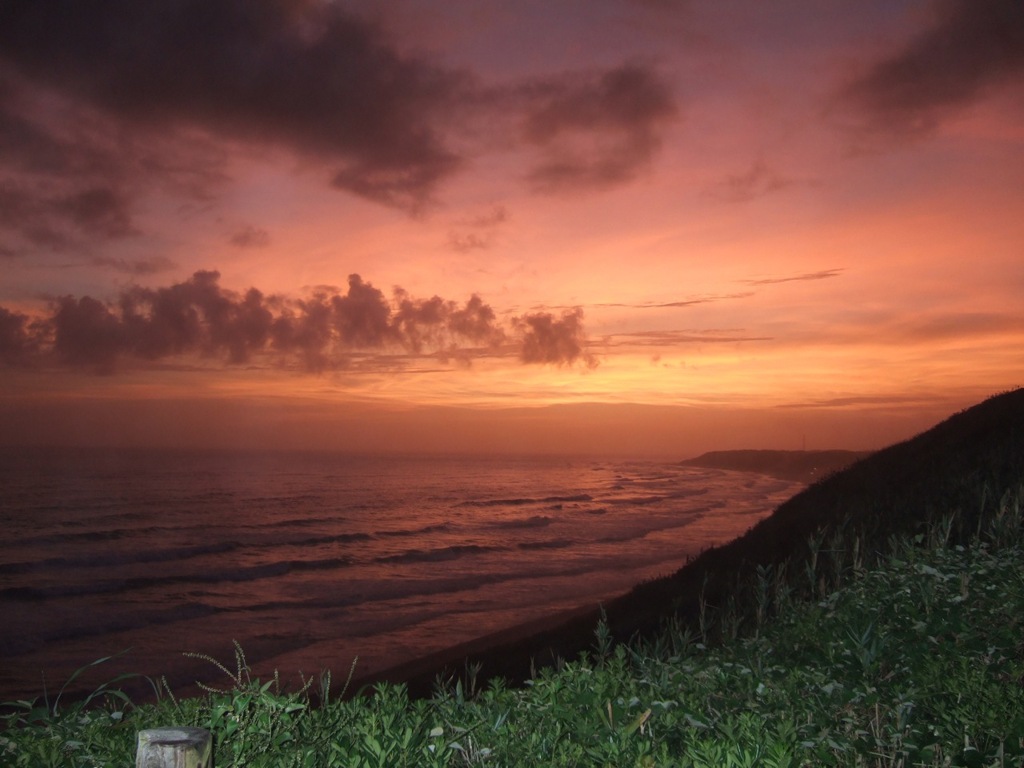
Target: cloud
[[103, 102], [70, 176], [823, 274], [559, 341], [974, 46], [194, 316], [17, 345], [359, 329], [306, 330], [29, 218], [901, 401], [595, 132], [55, 221], [682, 302], [464, 242], [251, 237], [362, 317], [303, 74], [680, 337], [758, 181], [23, 142], [955, 325], [444, 324], [150, 266], [87, 333], [713, 298], [477, 232], [100, 210]]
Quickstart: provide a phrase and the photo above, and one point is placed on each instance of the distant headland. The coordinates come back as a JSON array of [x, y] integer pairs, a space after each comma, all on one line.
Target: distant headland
[[806, 466]]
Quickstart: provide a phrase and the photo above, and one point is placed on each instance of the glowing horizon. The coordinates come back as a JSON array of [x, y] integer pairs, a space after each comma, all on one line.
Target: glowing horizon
[[772, 220]]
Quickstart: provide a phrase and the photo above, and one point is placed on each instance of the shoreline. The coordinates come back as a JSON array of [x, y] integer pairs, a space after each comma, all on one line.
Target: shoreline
[[903, 475]]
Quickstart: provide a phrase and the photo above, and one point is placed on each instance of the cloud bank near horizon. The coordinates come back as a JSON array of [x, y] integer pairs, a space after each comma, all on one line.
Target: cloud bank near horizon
[[323, 331]]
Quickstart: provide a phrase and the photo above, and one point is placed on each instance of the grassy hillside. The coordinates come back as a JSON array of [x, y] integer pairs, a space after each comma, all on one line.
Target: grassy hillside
[[956, 472], [874, 620]]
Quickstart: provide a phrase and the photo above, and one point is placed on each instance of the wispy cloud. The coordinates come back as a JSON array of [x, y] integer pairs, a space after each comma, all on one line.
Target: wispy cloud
[[71, 176], [679, 338], [56, 218], [708, 299], [595, 133], [956, 325], [251, 237], [759, 180], [823, 274], [859, 401], [477, 233], [138, 267]]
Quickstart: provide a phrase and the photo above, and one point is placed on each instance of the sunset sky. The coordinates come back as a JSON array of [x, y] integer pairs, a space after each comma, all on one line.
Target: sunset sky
[[653, 227]]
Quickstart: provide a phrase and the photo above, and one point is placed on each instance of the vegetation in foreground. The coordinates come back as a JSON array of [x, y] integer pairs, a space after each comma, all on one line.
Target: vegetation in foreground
[[891, 649]]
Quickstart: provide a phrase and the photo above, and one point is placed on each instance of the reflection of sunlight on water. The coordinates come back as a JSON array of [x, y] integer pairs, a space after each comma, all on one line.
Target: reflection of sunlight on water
[[317, 560]]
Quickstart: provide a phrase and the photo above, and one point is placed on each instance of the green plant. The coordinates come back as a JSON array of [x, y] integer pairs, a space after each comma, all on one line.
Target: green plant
[[887, 648]]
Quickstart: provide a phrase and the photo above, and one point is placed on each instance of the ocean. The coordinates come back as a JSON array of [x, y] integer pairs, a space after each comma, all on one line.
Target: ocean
[[309, 560]]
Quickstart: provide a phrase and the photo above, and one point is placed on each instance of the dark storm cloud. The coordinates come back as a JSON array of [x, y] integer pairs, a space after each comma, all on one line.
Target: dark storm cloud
[[598, 132], [303, 74], [974, 45], [358, 329], [559, 341], [118, 97]]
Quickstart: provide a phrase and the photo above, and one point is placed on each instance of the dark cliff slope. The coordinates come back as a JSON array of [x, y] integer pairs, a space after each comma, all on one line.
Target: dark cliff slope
[[956, 472]]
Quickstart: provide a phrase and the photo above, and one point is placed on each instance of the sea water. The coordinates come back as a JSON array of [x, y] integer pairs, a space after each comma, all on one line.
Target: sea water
[[309, 560]]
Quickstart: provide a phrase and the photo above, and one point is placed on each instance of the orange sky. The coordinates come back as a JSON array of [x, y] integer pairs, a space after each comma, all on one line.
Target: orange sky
[[648, 228]]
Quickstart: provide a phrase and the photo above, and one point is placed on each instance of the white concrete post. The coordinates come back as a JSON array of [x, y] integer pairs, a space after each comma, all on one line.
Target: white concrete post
[[174, 748]]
